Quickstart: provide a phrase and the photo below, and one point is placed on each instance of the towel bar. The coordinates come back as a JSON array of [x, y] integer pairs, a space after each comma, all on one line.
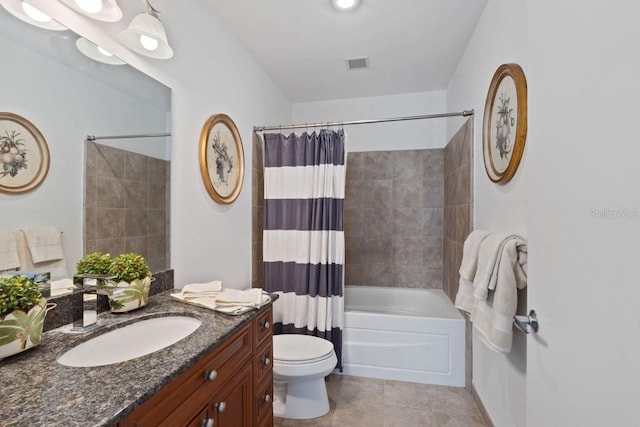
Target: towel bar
[[523, 322]]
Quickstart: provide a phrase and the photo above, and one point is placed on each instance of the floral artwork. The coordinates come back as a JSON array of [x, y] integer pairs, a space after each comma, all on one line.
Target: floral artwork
[[14, 154], [221, 159], [224, 161], [24, 155], [505, 123]]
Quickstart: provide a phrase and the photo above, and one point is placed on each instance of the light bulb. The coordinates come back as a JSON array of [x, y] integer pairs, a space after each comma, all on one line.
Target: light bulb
[[34, 13], [90, 6], [148, 43], [104, 51]]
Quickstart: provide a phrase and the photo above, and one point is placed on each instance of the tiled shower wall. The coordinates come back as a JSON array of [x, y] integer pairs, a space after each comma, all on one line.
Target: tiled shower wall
[[458, 219], [126, 204], [458, 203], [394, 218], [257, 206]]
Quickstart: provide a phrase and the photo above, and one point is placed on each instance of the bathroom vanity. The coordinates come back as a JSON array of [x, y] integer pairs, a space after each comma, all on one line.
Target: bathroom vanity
[[220, 375], [230, 386]]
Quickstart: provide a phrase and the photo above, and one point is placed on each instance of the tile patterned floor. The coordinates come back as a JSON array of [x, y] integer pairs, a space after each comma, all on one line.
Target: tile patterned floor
[[367, 402]]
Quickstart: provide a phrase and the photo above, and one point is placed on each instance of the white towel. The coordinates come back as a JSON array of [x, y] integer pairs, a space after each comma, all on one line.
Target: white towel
[[201, 288], [44, 243], [489, 262], [493, 316], [464, 298], [8, 251], [230, 301]]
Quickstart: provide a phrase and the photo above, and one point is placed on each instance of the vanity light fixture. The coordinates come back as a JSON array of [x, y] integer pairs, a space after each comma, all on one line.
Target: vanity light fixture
[[146, 35], [97, 53], [25, 12], [102, 10], [345, 5]]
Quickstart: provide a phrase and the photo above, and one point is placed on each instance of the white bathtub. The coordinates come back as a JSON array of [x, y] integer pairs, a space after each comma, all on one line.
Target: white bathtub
[[414, 335]]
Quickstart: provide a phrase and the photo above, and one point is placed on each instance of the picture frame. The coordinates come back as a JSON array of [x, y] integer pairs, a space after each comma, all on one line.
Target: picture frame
[[221, 159], [24, 155], [504, 130]]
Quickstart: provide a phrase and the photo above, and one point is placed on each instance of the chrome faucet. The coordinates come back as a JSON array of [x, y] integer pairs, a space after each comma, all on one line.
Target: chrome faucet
[[85, 305]]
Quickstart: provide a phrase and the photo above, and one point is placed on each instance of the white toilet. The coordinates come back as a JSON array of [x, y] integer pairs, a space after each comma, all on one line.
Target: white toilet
[[300, 364]]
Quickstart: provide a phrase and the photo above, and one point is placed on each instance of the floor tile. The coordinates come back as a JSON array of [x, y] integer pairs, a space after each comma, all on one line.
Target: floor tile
[[369, 402]]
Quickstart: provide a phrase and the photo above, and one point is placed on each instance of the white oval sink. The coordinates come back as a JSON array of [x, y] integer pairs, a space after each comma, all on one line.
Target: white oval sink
[[131, 341]]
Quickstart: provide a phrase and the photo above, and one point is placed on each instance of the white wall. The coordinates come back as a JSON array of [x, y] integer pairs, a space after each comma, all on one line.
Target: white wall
[[65, 105], [500, 37], [405, 135], [210, 73]]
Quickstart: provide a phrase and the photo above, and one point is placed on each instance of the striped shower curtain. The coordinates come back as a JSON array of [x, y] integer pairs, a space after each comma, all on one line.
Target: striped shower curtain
[[303, 244]]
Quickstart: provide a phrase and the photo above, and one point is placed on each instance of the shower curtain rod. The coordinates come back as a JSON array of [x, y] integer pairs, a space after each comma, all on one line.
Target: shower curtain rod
[[142, 135], [464, 113]]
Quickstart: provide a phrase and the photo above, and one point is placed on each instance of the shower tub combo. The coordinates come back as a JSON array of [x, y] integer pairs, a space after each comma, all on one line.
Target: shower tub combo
[[403, 334]]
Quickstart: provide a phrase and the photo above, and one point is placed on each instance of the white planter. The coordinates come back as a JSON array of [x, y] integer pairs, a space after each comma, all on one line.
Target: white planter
[[124, 296], [20, 331]]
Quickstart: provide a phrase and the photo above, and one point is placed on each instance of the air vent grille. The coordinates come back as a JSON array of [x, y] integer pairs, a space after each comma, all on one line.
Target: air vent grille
[[358, 63]]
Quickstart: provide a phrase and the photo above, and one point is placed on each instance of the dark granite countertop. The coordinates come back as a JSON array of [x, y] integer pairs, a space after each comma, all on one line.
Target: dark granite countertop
[[37, 391]]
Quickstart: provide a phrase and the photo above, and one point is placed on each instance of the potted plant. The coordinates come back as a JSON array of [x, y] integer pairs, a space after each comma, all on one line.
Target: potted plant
[[94, 266], [22, 313], [129, 289]]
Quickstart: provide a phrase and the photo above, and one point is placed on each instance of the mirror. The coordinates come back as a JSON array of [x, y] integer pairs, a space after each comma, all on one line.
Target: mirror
[[68, 96]]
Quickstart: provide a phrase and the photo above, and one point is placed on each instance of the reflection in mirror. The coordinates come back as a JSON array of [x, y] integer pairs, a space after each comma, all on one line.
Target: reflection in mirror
[[123, 182]]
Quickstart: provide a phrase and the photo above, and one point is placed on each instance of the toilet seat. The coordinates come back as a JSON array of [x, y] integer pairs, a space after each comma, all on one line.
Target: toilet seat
[[292, 349]]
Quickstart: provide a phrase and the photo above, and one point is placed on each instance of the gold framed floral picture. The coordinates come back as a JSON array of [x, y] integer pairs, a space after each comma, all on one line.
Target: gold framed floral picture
[[504, 129], [24, 155], [221, 158]]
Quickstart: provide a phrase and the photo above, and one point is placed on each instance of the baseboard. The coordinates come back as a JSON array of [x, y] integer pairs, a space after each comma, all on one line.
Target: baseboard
[[483, 410]]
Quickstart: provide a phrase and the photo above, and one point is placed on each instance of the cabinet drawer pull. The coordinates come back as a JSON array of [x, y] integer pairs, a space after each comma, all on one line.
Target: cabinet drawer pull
[[265, 325], [266, 398], [210, 375], [220, 406], [207, 422], [266, 361]]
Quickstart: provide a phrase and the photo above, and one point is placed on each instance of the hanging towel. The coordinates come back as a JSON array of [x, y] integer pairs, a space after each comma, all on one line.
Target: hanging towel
[[8, 251], [489, 262], [464, 298], [44, 243], [493, 316]]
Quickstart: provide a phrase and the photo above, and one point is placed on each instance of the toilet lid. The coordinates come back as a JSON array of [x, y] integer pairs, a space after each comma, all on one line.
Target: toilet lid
[[297, 348]]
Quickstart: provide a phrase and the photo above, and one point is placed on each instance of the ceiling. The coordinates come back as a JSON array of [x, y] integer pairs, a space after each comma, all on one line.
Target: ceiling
[[412, 45]]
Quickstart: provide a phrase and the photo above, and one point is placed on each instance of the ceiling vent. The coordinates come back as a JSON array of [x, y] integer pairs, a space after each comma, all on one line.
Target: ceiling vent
[[358, 63]]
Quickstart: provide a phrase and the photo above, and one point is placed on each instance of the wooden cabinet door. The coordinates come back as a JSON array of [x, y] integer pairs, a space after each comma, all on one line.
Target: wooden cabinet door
[[232, 405]]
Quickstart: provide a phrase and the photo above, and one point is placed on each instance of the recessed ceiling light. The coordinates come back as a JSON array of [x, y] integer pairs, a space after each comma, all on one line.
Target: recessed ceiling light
[[345, 5]]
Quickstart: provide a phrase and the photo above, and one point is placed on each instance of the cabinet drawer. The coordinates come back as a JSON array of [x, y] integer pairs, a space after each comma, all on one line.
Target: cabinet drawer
[[263, 401], [263, 326], [263, 362], [191, 391]]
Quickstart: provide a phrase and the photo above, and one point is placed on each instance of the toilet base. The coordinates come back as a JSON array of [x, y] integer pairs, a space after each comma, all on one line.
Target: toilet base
[[301, 400]]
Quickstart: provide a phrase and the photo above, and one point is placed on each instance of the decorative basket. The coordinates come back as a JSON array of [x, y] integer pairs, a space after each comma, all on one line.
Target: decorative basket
[[19, 331]]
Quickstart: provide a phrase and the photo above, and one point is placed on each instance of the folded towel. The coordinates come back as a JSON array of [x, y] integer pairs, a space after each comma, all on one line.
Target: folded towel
[[229, 301], [8, 251], [44, 243], [464, 298], [489, 262], [214, 286], [245, 297], [493, 317], [62, 286]]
